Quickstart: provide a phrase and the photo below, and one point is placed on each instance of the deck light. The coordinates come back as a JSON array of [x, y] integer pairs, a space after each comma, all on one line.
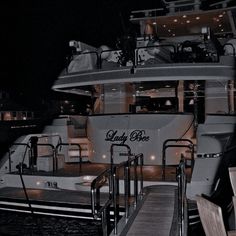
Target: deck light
[[152, 157], [184, 16], [197, 18], [175, 20], [188, 21], [104, 156]]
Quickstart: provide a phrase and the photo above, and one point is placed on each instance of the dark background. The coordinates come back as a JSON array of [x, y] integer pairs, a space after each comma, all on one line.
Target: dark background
[[35, 36]]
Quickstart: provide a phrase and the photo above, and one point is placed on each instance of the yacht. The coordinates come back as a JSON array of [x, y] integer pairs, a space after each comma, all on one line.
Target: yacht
[[163, 97]]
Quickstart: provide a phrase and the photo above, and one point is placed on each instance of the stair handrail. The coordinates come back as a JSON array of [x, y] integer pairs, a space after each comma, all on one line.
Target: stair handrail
[[182, 204], [59, 145], [112, 176], [132, 162], [98, 210], [118, 145], [166, 146]]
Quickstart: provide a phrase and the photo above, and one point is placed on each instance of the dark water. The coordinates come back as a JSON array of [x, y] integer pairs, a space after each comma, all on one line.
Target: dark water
[[19, 224]]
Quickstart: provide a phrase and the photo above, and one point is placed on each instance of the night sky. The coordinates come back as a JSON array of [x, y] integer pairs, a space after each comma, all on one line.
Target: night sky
[[35, 36]]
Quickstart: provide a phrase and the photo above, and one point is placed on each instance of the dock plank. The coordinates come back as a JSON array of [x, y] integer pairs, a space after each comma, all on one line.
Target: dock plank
[[156, 214]]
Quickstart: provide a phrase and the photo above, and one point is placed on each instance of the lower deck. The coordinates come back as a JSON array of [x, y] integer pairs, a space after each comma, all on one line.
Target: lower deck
[[159, 196]]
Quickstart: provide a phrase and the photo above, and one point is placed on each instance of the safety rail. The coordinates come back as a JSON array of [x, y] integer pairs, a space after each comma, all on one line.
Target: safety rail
[[111, 178], [119, 145], [175, 55], [98, 210], [133, 162], [166, 146], [182, 200], [59, 145]]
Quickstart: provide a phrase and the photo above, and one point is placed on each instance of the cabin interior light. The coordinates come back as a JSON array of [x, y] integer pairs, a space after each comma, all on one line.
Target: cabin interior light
[[197, 18], [191, 102], [164, 26], [175, 20], [220, 15], [184, 16], [187, 21], [154, 23], [113, 89], [168, 103]]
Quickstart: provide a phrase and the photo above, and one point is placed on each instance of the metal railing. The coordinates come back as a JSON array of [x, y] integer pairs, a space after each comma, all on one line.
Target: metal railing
[[182, 200], [111, 178], [59, 145], [166, 146], [127, 166], [97, 210]]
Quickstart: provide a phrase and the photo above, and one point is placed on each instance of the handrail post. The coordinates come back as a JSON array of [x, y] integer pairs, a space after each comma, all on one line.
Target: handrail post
[[181, 195], [104, 222], [141, 174], [164, 163], [115, 202], [127, 190], [135, 182]]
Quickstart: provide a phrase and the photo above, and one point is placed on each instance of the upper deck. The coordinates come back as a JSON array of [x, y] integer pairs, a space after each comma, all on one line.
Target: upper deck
[[176, 45]]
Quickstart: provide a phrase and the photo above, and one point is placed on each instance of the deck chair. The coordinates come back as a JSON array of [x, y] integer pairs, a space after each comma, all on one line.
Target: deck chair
[[211, 218], [232, 175]]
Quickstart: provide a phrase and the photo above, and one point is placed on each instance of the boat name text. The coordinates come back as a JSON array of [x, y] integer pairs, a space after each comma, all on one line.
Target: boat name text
[[135, 135]]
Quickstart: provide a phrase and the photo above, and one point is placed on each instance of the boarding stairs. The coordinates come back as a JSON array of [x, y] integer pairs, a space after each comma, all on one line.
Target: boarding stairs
[[74, 151]]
